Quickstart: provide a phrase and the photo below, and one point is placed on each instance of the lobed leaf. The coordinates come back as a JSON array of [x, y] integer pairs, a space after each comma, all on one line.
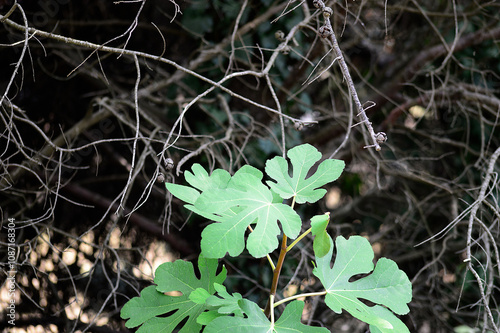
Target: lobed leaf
[[257, 322], [304, 189], [387, 316], [200, 179], [173, 276], [244, 202], [184, 193], [223, 305], [386, 285]]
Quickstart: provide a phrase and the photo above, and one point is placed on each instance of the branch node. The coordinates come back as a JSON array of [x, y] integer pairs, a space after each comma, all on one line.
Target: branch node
[[325, 31]]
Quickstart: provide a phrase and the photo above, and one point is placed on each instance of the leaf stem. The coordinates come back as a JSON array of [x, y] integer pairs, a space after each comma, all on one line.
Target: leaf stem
[[270, 262], [271, 305], [291, 298], [298, 239]]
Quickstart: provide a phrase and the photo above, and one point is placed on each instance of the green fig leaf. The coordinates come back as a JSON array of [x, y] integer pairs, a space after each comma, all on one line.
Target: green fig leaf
[[321, 243], [257, 322], [303, 188], [178, 276], [387, 285], [250, 203]]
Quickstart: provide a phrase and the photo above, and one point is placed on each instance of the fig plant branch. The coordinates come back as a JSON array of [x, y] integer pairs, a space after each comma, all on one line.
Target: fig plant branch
[[276, 274], [233, 203], [326, 31], [277, 270]]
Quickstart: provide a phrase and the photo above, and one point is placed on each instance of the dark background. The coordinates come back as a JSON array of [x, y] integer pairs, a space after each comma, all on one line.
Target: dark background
[[88, 231]]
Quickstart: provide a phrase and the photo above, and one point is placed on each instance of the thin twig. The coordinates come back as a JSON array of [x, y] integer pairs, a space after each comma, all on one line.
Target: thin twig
[[326, 31]]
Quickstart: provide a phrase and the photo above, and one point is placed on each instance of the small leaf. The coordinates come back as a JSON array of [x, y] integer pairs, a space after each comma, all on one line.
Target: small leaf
[[173, 276], [221, 306], [319, 223], [257, 322], [226, 303], [386, 285], [304, 189], [321, 243], [199, 296]]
